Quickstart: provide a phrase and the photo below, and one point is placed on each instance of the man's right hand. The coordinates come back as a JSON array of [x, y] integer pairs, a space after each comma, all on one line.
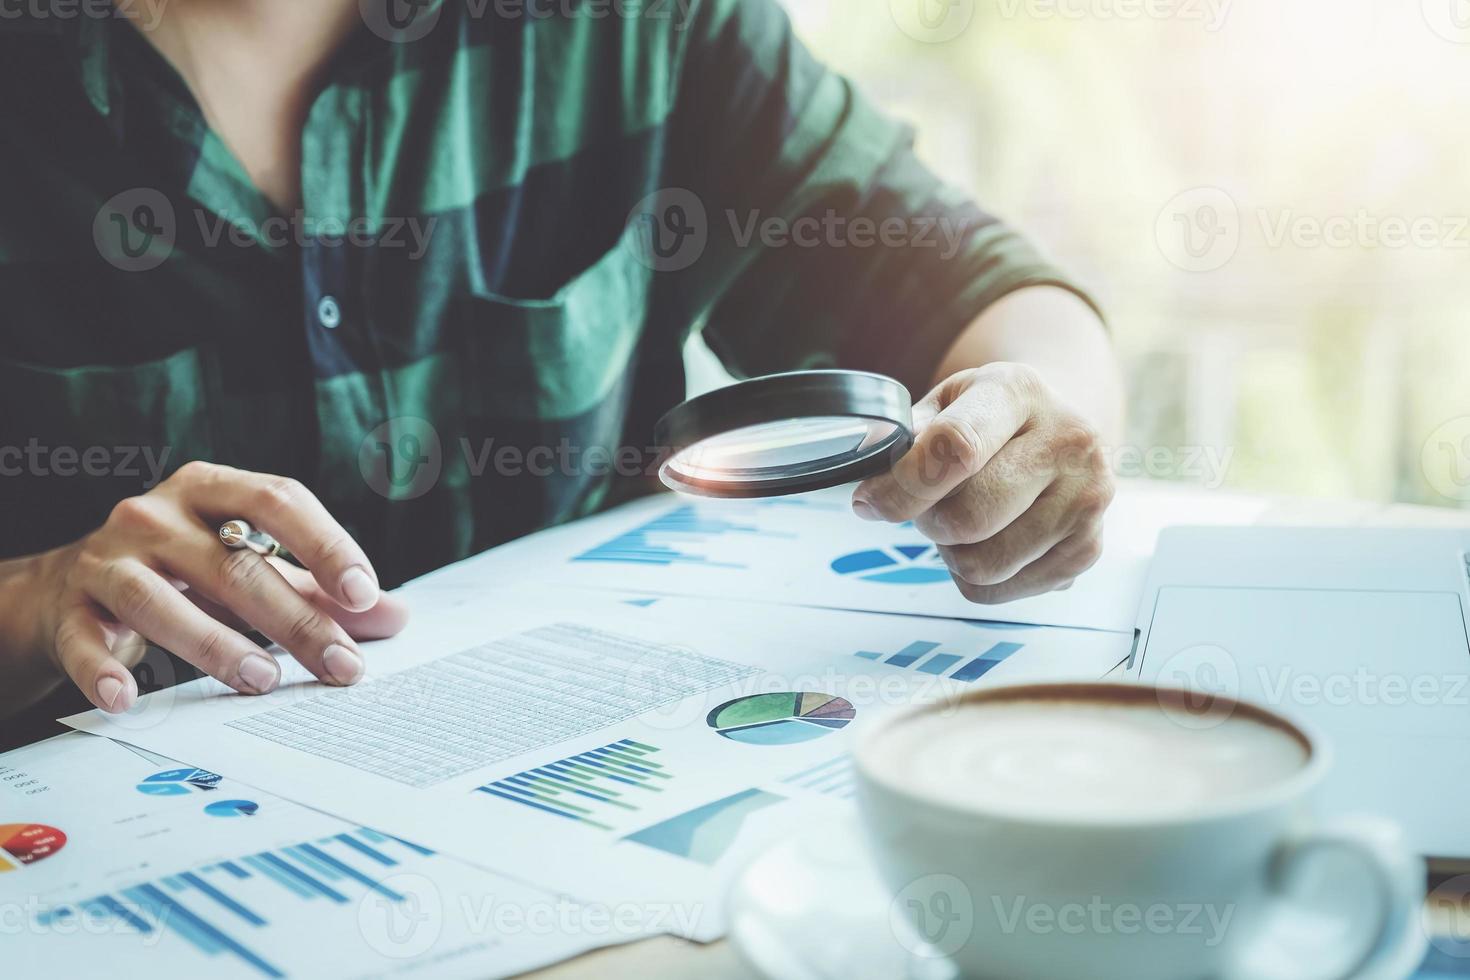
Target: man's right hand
[[157, 571]]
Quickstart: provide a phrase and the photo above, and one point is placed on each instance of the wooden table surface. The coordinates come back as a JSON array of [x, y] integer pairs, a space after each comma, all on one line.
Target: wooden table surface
[[667, 958]]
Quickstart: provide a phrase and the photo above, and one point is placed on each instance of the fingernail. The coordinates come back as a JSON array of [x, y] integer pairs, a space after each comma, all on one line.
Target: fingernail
[[866, 511], [259, 673], [108, 689], [359, 588], [343, 665]]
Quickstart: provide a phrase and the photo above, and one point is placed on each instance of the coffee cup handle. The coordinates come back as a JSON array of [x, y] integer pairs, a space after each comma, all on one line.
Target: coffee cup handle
[[1398, 879]]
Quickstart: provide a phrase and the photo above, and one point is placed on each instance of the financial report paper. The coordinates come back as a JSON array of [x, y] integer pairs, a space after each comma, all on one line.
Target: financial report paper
[[630, 753], [114, 862], [811, 550]]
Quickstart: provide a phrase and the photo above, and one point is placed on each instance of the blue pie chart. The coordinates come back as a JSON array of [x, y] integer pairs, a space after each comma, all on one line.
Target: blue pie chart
[[178, 782], [232, 808], [900, 564]]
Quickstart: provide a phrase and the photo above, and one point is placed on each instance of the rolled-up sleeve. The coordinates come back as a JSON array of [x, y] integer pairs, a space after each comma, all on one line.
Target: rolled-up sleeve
[[829, 243]]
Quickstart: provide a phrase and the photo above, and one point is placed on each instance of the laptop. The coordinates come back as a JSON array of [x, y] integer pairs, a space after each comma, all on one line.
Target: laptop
[[1359, 633]]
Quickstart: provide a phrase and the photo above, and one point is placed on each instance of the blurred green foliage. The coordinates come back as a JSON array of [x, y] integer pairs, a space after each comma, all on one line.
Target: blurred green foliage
[[1328, 349]]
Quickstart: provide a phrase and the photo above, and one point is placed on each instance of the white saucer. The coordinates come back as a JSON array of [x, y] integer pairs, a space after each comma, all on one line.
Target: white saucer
[[811, 907]]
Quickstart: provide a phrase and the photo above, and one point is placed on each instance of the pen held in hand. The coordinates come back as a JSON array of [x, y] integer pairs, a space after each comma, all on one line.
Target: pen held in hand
[[238, 534]]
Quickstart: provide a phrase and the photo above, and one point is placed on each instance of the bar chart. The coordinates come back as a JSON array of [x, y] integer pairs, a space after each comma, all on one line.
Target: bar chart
[[926, 658], [227, 908], [595, 784], [677, 537]]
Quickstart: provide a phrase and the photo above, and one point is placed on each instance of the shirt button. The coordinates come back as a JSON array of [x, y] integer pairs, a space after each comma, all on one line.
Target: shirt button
[[328, 313]]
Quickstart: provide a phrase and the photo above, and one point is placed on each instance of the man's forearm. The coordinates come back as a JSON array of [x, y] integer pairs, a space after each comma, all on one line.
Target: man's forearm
[[1059, 335]]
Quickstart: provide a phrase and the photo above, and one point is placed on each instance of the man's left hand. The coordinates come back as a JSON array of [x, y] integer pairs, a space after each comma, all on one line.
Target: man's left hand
[[1008, 480]]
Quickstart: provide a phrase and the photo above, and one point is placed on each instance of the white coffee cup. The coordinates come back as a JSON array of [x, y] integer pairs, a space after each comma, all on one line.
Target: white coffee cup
[[1183, 885]]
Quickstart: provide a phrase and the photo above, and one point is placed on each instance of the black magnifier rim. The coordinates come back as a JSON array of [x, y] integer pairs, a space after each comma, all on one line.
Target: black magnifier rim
[[780, 398]]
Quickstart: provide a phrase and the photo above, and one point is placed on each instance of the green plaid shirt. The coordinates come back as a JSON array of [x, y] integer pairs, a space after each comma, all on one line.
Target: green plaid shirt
[[513, 218]]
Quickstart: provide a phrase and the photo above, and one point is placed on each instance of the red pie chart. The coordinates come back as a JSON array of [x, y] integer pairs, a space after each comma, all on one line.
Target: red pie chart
[[27, 843]]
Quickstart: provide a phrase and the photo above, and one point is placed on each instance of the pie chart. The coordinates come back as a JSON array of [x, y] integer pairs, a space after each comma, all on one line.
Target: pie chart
[[781, 719], [177, 782], [900, 564], [232, 808], [27, 843]]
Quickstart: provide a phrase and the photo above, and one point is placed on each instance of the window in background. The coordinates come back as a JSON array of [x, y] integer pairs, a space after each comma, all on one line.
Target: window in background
[[1270, 197]]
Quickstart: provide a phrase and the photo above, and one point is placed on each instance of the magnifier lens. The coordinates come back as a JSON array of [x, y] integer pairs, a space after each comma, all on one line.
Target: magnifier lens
[[785, 434], [758, 452]]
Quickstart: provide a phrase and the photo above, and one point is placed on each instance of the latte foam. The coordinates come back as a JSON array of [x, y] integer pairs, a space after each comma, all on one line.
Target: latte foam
[[1082, 758]]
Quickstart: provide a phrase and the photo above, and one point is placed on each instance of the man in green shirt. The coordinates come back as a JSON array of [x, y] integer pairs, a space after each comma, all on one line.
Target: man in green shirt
[[316, 265]]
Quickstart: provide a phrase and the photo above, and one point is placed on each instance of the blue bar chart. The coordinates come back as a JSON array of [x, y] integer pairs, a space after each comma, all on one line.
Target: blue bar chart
[[221, 909], [673, 538], [597, 783], [921, 656]]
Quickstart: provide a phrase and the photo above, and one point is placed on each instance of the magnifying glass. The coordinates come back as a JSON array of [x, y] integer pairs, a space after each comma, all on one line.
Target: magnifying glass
[[785, 433]]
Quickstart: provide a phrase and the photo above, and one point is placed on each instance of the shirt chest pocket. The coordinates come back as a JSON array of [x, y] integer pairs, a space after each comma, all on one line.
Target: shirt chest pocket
[[557, 358], [74, 441]]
